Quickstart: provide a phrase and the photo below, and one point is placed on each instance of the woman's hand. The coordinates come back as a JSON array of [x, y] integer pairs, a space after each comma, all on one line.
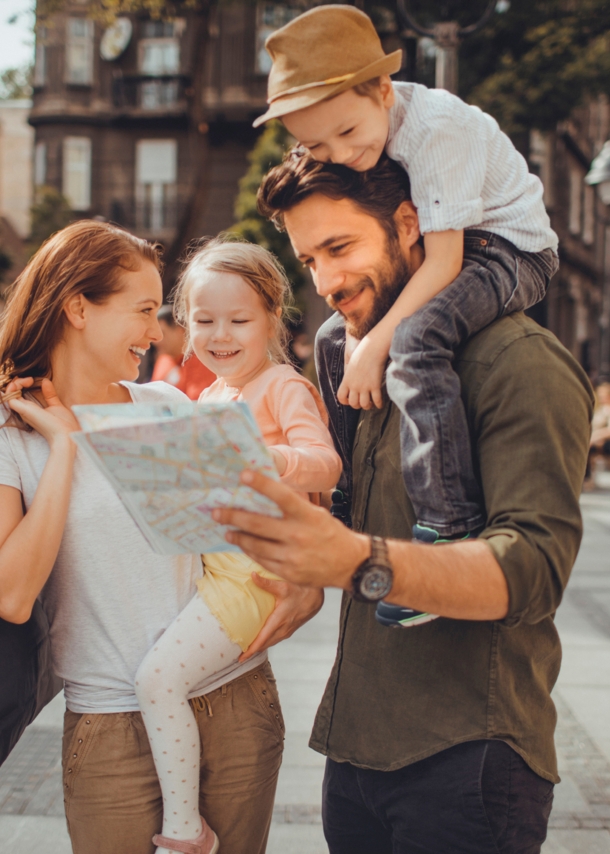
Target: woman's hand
[[294, 606], [53, 421]]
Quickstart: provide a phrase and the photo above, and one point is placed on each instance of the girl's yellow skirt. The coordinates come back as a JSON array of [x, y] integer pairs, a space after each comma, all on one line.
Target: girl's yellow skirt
[[233, 598]]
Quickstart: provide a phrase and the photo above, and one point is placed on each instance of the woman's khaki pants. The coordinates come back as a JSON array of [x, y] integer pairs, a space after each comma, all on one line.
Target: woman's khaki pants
[[111, 792]]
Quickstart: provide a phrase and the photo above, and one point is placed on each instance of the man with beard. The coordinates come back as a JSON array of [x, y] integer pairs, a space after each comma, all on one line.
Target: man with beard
[[438, 739]]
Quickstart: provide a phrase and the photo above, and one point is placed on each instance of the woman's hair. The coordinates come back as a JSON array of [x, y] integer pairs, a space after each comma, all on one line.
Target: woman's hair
[[87, 258], [256, 266]]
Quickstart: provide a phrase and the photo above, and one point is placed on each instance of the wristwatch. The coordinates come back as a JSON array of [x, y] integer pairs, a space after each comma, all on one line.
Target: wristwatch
[[374, 577]]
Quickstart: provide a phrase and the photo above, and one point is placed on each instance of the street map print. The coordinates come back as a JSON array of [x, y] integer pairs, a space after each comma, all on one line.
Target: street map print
[[171, 465]]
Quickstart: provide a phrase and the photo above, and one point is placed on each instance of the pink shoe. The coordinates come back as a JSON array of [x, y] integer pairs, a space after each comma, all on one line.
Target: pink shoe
[[206, 842]]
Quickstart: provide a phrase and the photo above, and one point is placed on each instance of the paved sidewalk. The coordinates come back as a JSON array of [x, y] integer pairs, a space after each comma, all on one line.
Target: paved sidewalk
[[31, 818]]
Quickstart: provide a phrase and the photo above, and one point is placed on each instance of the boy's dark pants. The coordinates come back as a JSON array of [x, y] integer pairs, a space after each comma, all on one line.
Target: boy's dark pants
[[476, 798], [496, 279]]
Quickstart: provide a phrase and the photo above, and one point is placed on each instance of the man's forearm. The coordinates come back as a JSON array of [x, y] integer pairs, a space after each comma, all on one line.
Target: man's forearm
[[308, 546], [462, 581]]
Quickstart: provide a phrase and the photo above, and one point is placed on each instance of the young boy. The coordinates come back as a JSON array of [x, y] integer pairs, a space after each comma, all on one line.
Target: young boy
[[489, 247]]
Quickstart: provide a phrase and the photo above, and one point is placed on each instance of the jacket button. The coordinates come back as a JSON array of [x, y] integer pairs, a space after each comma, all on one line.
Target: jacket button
[[483, 243], [256, 677], [264, 692], [87, 722], [69, 770], [80, 741], [74, 755], [270, 705]]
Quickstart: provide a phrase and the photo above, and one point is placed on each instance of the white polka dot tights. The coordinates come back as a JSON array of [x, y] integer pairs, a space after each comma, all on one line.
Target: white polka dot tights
[[193, 650]]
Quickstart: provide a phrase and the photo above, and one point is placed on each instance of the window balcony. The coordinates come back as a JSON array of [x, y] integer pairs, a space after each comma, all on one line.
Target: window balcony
[[156, 208], [165, 93]]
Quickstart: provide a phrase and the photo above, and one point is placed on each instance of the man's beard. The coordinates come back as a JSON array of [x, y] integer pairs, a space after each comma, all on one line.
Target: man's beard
[[391, 279]]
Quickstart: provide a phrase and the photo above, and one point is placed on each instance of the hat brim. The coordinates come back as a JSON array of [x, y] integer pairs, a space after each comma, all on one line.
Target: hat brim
[[389, 64]]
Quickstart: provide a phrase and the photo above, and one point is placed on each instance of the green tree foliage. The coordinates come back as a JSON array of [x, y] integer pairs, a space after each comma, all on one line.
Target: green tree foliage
[[533, 65], [107, 10], [15, 83], [269, 150], [50, 213]]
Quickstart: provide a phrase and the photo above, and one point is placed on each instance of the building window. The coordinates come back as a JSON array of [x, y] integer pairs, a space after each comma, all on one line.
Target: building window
[[159, 49], [588, 218], [156, 94], [156, 174], [160, 29], [79, 51], [576, 188], [541, 163], [40, 164], [76, 185], [40, 60], [269, 18]]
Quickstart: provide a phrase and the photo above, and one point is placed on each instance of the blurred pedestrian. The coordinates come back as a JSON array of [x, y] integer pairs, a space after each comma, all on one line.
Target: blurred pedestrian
[[189, 376]]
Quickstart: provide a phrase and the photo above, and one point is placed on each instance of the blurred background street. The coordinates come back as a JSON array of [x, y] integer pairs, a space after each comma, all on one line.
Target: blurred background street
[[139, 112], [31, 808]]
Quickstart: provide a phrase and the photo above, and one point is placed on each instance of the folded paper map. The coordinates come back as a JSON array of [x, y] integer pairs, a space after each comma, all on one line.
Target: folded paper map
[[171, 465]]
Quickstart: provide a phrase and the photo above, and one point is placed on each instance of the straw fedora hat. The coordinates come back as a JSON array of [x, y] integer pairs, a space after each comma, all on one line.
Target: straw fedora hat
[[323, 52]]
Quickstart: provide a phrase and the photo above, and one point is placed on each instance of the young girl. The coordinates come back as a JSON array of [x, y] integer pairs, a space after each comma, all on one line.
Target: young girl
[[230, 298]]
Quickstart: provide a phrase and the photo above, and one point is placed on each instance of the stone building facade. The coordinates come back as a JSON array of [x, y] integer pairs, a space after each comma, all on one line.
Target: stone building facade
[[577, 307], [149, 126], [16, 145]]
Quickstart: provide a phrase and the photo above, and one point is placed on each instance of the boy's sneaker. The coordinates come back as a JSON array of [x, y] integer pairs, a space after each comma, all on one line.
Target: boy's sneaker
[[395, 616], [423, 534]]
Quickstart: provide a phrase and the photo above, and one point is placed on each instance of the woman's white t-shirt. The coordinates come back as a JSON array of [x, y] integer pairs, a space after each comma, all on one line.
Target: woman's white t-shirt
[[109, 596]]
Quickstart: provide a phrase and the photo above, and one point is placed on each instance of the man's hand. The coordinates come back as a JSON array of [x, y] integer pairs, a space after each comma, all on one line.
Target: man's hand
[[294, 606], [306, 546]]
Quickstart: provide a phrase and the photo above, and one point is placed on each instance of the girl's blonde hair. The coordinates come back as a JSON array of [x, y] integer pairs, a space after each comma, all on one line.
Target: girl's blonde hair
[[228, 253]]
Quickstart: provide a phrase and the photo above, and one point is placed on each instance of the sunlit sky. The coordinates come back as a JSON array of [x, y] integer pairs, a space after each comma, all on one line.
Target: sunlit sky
[[16, 40]]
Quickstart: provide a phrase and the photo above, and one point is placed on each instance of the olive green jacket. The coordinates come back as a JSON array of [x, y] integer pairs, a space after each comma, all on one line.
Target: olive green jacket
[[398, 695]]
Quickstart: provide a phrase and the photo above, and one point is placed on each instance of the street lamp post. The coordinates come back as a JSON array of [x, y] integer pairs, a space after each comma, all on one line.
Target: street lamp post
[[447, 35]]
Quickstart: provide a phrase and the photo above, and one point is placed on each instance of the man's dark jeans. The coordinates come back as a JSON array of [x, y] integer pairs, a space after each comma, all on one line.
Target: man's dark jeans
[[476, 798]]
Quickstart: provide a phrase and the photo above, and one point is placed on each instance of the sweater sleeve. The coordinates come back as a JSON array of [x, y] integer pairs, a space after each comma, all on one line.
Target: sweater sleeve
[[312, 464]]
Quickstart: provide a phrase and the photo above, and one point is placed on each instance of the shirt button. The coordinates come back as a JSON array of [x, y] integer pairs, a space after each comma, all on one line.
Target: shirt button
[[436, 202]]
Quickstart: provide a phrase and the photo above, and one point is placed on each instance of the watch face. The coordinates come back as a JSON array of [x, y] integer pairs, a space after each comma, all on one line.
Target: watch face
[[376, 582]]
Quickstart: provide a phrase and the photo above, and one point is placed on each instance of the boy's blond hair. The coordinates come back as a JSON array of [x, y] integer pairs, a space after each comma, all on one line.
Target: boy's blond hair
[[228, 253]]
